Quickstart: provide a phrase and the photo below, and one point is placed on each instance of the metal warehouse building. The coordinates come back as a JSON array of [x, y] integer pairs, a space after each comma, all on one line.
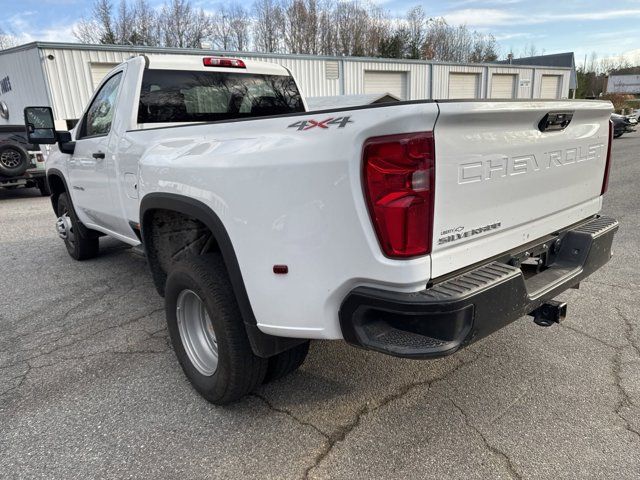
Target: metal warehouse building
[[63, 76]]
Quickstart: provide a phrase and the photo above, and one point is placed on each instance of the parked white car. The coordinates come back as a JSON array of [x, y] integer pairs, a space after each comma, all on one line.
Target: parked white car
[[412, 228]]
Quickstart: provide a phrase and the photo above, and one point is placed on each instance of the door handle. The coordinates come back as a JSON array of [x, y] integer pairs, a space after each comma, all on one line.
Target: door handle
[[98, 155]]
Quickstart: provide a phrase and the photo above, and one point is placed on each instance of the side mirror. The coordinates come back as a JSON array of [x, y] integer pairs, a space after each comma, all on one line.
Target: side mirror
[[40, 126], [66, 143]]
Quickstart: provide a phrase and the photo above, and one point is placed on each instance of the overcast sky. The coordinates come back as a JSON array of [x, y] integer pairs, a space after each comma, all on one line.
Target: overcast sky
[[608, 28]]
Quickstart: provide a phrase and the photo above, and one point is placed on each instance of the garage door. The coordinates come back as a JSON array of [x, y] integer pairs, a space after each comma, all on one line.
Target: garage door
[[386, 82], [99, 71], [550, 86], [464, 85], [503, 86]]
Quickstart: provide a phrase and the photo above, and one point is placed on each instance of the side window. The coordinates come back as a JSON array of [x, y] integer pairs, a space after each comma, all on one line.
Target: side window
[[98, 119]]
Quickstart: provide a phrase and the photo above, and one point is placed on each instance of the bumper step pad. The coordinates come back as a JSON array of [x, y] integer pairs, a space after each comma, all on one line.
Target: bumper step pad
[[456, 312]]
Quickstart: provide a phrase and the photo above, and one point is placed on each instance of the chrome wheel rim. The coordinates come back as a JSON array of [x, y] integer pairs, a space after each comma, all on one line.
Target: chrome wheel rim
[[64, 227], [196, 332], [10, 158]]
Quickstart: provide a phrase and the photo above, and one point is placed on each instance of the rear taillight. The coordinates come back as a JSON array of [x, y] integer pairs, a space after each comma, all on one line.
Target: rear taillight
[[399, 174], [223, 62], [607, 165]]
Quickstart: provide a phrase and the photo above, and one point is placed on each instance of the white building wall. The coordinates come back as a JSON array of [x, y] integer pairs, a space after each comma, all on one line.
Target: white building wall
[[524, 78], [69, 77], [27, 83], [440, 78], [65, 81], [417, 76], [564, 81]]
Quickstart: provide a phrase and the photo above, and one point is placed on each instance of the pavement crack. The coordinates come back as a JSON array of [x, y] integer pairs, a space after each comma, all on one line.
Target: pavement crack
[[32, 368], [633, 288], [504, 411], [74, 342], [341, 432], [625, 399], [628, 334], [290, 414], [589, 336], [94, 297], [137, 352], [511, 469], [97, 332], [23, 379]]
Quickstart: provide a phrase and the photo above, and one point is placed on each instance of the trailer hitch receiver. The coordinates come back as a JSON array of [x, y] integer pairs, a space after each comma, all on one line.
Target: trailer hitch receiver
[[549, 313]]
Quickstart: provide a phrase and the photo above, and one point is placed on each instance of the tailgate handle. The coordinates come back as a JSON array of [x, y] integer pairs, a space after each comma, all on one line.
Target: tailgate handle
[[555, 121]]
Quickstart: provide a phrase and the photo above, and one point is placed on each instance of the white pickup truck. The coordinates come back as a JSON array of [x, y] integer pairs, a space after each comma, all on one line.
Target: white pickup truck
[[413, 228]]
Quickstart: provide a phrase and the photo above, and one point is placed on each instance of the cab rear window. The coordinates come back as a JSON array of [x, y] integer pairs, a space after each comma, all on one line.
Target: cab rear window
[[169, 96]]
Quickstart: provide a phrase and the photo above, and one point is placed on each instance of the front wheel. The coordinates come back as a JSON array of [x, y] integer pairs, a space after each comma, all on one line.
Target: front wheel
[[207, 331], [81, 242]]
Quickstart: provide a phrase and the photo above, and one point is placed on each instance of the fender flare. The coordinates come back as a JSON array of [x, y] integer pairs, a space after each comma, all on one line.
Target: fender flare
[[263, 345], [54, 172]]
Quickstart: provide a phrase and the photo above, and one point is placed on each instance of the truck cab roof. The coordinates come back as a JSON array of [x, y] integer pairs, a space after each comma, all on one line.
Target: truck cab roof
[[196, 63]]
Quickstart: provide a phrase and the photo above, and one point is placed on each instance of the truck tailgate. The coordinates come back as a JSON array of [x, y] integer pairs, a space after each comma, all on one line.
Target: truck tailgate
[[501, 181]]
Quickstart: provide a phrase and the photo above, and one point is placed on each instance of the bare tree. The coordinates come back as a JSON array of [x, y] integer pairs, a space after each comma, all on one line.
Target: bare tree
[[99, 27], [614, 64], [352, 21], [485, 48], [230, 28], [135, 25], [301, 26], [416, 26], [7, 40], [183, 26], [327, 32], [380, 29], [240, 22], [327, 27], [145, 24], [452, 43], [221, 29], [87, 31], [268, 20], [124, 24], [530, 50]]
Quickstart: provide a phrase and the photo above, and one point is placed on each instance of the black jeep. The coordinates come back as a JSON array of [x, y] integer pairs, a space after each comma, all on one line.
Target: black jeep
[[21, 163]]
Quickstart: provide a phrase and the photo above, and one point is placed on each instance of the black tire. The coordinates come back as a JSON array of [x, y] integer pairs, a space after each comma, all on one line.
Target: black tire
[[81, 243], [43, 186], [14, 160], [239, 370], [617, 135], [286, 362]]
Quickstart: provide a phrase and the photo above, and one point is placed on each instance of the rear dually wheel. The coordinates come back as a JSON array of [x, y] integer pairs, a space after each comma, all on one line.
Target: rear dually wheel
[[207, 331]]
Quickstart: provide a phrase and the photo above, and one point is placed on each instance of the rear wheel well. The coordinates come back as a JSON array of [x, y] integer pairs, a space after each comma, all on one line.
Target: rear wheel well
[[173, 227], [170, 236]]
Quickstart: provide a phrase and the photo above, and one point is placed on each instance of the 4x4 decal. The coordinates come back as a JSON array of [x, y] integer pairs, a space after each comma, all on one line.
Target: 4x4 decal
[[341, 122]]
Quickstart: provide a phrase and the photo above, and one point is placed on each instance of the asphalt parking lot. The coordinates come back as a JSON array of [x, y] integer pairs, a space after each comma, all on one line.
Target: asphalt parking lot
[[89, 386]]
